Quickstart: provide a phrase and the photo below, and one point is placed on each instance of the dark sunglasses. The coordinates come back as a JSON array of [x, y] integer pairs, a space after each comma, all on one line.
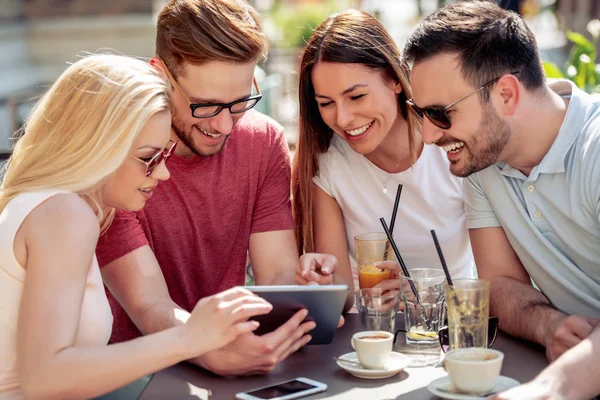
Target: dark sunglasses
[[438, 115], [444, 337], [157, 158]]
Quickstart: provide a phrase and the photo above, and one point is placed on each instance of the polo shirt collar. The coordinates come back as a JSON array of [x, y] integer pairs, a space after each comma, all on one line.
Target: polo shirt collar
[[554, 160]]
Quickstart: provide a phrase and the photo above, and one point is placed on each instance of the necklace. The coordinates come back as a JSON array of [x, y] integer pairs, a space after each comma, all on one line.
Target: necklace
[[387, 178], [384, 190]]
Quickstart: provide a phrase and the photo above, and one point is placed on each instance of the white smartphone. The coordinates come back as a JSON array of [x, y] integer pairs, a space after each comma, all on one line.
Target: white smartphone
[[293, 389]]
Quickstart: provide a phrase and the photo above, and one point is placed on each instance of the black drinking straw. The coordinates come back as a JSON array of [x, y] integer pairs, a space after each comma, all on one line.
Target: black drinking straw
[[393, 220], [441, 256], [399, 257], [395, 209]]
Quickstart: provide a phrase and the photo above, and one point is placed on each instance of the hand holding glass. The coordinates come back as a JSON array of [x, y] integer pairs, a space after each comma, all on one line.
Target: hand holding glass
[[371, 248]]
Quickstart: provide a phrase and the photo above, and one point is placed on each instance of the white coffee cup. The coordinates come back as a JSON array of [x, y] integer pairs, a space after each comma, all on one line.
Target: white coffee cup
[[373, 348], [474, 370]]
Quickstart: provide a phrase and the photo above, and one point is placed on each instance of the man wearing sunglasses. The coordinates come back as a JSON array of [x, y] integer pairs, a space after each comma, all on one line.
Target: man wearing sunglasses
[[530, 153], [228, 196]]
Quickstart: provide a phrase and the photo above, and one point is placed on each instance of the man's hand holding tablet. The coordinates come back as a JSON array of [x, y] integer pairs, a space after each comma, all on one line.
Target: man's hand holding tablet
[[323, 303]]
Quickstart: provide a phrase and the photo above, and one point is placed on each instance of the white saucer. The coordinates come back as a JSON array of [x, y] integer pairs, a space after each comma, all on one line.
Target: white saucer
[[397, 363], [442, 387]]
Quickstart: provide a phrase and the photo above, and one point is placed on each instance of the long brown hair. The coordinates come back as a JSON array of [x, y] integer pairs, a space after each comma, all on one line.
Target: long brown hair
[[350, 37]]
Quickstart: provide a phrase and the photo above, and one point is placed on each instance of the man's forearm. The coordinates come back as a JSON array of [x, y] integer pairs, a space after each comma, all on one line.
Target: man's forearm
[[159, 317], [285, 276], [199, 362], [283, 279], [523, 310], [163, 316]]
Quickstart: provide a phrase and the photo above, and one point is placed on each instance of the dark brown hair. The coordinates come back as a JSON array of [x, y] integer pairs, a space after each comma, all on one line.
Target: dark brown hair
[[199, 31], [488, 40], [350, 37]]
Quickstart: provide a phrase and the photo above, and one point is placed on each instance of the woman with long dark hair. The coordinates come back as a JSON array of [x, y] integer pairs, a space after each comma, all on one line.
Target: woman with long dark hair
[[357, 143]]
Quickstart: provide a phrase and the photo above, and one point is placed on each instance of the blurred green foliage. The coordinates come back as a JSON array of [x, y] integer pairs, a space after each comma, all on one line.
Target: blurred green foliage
[[581, 66], [296, 22]]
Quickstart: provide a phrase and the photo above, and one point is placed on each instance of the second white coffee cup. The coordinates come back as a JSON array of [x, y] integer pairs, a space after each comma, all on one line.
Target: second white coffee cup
[[373, 348], [474, 370]]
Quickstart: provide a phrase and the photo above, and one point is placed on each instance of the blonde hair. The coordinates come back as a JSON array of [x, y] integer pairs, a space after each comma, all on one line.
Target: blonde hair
[[83, 128]]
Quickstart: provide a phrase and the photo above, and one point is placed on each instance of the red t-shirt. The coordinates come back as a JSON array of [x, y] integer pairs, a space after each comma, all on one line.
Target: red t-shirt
[[198, 223]]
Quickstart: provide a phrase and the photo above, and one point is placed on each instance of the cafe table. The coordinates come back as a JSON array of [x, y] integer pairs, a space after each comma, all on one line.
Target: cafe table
[[522, 361]]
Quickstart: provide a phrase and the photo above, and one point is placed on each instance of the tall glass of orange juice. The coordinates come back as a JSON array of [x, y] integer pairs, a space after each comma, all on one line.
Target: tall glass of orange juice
[[371, 248]]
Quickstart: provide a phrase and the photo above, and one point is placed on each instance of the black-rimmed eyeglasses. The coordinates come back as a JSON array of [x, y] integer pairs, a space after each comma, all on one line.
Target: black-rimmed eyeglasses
[[438, 115], [208, 110]]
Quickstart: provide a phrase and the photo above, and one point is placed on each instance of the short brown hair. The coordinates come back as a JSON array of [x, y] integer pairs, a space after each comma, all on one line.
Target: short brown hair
[[199, 31], [488, 40]]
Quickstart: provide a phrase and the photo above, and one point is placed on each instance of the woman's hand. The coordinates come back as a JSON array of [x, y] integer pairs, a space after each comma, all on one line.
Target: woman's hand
[[392, 285], [219, 319], [315, 269]]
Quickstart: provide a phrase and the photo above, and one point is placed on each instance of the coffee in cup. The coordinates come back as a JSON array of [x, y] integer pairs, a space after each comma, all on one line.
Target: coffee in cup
[[373, 348], [375, 337], [474, 370]]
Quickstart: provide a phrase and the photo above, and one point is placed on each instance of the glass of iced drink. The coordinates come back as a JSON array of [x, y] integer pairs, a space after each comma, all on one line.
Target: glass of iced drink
[[468, 302], [371, 248], [423, 313]]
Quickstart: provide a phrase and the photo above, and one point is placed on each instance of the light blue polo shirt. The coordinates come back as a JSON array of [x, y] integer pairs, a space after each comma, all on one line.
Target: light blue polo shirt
[[552, 216]]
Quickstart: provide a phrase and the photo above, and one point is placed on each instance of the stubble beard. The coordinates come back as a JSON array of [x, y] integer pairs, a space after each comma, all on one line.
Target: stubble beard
[[497, 133], [188, 140]]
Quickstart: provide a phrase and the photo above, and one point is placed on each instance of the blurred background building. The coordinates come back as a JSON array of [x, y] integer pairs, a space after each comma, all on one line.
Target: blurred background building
[[38, 38]]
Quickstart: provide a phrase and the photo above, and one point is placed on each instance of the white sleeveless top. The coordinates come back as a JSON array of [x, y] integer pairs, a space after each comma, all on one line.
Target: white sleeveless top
[[95, 323], [432, 198]]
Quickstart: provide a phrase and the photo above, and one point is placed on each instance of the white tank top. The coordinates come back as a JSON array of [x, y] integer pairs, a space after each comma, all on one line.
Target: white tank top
[[432, 198], [95, 323]]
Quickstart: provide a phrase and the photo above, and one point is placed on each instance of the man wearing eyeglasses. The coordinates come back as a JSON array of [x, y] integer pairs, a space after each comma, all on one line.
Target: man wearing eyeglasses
[[530, 153], [228, 196]]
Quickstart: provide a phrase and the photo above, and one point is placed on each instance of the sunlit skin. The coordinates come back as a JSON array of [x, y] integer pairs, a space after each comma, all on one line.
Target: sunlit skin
[[213, 82], [122, 189], [351, 97], [63, 300], [535, 117], [438, 82]]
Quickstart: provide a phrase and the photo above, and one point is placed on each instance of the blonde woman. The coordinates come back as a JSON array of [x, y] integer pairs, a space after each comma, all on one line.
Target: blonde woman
[[96, 141]]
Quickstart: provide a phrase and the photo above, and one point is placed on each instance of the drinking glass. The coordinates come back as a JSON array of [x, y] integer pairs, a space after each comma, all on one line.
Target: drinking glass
[[377, 308], [371, 248], [468, 302], [423, 316]]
